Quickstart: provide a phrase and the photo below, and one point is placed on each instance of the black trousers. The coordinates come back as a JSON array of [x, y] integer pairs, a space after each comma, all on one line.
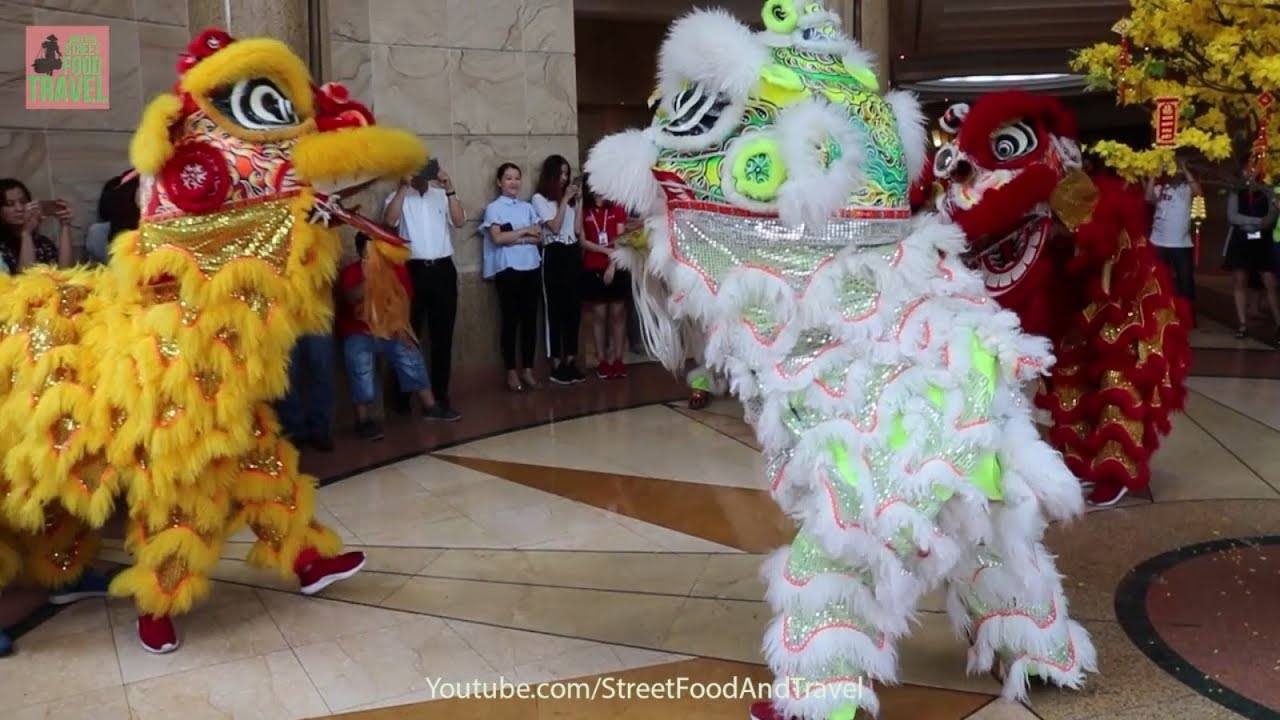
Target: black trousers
[[435, 301], [519, 295], [562, 288], [1181, 263]]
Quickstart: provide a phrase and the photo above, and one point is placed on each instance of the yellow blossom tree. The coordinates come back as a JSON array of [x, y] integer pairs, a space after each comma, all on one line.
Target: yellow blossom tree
[[1219, 58]]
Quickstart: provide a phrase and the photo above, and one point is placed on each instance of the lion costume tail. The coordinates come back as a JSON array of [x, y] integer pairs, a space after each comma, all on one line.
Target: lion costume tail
[[1123, 365]]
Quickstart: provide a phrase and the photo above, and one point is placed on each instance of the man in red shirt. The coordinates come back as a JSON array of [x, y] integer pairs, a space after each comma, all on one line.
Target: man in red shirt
[[360, 348]]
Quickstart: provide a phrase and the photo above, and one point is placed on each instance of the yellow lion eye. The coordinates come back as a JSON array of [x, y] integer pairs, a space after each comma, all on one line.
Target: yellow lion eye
[[780, 16], [758, 170]]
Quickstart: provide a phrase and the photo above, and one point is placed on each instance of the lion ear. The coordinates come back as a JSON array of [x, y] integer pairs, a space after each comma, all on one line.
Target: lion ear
[[151, 146]]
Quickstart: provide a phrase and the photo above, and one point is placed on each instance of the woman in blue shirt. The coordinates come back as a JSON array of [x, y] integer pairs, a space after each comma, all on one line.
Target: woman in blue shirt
[[512, 233]]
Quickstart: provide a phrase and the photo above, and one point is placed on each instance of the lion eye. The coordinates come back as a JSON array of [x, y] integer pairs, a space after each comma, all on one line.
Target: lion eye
[[695, 111], [257, 104], [1014, 141]]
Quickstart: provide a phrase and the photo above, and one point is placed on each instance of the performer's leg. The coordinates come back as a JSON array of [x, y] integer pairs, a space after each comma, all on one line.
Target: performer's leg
[[10, 557], [278, 504], [58, 557], [10, 569], [175, 544], [1012, 608], [829, 637], [1121, 462]]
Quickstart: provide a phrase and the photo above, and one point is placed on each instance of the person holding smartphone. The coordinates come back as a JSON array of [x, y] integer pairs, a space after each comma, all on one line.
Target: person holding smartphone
[[425, 210], [1171, 226], [557, 204], [21, 244], [512, 234]]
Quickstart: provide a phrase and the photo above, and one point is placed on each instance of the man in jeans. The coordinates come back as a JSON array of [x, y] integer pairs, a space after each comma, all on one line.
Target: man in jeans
[[423, 210], [306, 411], [360, 349]]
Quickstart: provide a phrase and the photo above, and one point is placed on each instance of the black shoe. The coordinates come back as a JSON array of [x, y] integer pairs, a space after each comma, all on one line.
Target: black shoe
[[439, 412], [323, 443], [575, 374], [562, 375], [369, 430]]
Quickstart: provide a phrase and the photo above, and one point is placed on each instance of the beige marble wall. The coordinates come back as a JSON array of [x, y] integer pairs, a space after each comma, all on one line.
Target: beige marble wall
[[483, 82], [71, 154]]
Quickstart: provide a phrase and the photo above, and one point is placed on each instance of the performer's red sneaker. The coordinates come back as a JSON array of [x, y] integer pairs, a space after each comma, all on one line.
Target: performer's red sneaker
[[317, 573], [766, 711], [157, 634]]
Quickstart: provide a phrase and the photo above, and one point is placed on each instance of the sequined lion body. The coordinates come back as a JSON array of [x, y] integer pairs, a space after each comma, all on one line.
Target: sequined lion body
[[883, 383], [1068, 253], [147, 382]]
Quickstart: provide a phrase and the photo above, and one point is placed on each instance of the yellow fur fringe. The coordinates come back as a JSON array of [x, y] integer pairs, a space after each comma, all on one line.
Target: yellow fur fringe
[[253, 58], [151, 146], [115, 386]]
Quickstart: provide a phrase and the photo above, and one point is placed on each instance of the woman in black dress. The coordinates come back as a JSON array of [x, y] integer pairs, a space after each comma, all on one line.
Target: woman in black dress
[[1251, 212]]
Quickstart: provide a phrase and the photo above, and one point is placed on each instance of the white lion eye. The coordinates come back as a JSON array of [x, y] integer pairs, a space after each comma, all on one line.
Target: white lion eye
[[1014, 141], [257, 104], [694, 111]]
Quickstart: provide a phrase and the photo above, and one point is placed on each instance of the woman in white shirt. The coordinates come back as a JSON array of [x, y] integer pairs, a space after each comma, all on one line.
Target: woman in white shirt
[[557, 204], [512, 233]]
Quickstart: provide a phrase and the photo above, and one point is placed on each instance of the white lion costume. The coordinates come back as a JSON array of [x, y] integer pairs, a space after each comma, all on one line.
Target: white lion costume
[[885, 386]]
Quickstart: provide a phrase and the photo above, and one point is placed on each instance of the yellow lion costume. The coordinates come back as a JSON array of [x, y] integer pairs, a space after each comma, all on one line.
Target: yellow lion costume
[[149, 380]]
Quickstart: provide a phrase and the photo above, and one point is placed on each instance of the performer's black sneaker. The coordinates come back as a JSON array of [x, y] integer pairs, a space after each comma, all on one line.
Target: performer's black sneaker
[[369, 430], [439, 412]]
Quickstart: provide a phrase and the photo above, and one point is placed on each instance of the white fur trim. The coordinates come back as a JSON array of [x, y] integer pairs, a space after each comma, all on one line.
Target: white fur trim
[[712, 48], [913, 128], [621, 169], [812, 193], [856, 56]]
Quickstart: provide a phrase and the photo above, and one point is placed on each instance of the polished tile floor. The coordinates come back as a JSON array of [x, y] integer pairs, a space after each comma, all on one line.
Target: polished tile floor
[[606, 533]]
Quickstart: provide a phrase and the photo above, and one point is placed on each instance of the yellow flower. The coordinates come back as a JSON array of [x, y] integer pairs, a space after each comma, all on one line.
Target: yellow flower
[[1218, 57]]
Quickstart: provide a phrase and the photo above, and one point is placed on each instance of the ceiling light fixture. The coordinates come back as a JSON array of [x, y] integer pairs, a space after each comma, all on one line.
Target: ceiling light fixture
[[968, 86]]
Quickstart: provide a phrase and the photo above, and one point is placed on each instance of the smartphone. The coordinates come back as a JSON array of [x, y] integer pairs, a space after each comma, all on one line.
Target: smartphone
[[49, 208], [432, 170]]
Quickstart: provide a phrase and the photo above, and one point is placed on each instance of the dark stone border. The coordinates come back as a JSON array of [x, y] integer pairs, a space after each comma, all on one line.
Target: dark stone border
[[1131, 611]]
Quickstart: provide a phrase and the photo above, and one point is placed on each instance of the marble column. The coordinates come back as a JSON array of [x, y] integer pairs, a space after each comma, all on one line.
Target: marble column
[[873, 32], [286, 20]]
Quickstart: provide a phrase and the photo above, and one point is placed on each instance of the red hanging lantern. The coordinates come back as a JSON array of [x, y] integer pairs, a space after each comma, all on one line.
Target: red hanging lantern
[[1166, 121], [1122, 28]]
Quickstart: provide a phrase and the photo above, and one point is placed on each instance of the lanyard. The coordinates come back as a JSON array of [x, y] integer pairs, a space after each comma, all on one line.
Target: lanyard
[[602, 235]]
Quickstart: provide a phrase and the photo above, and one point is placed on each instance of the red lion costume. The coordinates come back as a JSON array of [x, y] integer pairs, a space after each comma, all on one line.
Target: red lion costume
[[1069, 254]]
